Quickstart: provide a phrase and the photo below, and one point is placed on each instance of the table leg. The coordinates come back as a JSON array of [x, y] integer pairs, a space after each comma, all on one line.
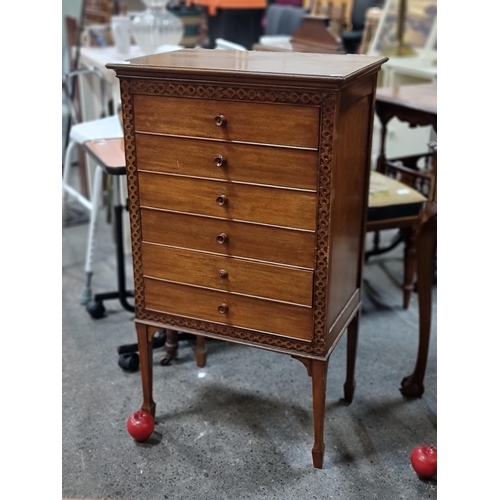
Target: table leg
[[171, 346], [145, 344], [200, 351], [410, 264]]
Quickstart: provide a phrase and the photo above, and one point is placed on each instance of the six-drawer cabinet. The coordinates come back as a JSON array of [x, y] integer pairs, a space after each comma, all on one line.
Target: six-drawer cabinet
[[247, 179]]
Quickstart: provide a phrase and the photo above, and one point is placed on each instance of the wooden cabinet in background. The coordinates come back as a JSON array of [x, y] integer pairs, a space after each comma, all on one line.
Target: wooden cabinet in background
[[247, 179]]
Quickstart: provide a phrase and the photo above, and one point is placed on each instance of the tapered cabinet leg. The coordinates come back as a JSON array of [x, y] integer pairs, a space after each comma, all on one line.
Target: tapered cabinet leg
[[200, 351], [145, 344], [352, 346], [319, 370]]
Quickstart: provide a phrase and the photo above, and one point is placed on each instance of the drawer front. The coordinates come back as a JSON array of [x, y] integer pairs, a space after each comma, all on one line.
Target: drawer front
[[296, 168], [229, 309], [281, 207], [238, 121], [251, 241], [228, 274]]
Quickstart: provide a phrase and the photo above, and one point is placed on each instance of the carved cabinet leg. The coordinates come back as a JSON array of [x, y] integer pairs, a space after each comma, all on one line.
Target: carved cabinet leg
[[413, 385], [145, 344], [352, 346], [319, 370], [200, 351]]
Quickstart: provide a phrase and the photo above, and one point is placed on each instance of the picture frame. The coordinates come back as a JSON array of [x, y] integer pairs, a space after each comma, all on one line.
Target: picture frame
[[420, 27]]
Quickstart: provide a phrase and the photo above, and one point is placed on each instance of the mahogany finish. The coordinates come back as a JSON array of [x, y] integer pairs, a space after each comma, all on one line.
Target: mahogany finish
[[248, 182], [218, 272], [290, 167], [226, 237]]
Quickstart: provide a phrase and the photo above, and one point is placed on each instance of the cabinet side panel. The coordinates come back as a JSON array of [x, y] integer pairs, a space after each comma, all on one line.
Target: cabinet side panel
[[350, 177]]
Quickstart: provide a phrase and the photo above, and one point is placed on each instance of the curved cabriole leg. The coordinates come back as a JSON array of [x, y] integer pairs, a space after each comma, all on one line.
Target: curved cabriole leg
[[413, 385], [319, 370], [352, 346], [200, 351], [145, 345]]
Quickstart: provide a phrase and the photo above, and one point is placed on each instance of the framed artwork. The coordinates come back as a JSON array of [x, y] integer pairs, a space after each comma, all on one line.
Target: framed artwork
[[420, 27]]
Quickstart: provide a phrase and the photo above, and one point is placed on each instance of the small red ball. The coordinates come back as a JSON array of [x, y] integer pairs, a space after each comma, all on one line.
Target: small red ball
[[424, 461], [140, 425]]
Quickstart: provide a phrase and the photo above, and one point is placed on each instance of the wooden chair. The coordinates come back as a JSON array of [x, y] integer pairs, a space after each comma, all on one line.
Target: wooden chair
[[413, 385], [395, 205], [353, 33], [407, 187]]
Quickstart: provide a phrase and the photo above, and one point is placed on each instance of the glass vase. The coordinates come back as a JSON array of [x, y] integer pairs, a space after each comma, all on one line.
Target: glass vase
[[156, 26]]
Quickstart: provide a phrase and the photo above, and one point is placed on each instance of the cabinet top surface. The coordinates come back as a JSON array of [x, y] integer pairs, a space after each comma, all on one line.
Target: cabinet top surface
[[307, 66]]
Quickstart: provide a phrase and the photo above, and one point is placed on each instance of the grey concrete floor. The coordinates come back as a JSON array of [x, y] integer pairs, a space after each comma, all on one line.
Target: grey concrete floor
[[240, 428]]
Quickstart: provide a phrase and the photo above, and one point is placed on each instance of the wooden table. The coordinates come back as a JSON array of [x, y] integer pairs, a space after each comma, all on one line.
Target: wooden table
[[413, 104], [416, 105]]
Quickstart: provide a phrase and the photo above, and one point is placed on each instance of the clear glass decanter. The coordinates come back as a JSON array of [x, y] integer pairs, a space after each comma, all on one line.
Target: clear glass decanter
[[156, 26]]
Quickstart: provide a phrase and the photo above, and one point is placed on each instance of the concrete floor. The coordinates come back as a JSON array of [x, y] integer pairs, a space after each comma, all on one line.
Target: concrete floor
[[240, 428]]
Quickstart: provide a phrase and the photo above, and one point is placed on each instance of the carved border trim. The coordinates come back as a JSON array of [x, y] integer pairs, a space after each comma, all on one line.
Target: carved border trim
[[202, 91], [327, 103]]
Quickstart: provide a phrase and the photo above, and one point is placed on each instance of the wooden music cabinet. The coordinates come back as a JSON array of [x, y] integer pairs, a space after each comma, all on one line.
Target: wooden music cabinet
[[248, 182]]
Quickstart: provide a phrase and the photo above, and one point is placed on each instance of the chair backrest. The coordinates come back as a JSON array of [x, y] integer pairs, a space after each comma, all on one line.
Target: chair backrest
[[358, 12], [283, 19]]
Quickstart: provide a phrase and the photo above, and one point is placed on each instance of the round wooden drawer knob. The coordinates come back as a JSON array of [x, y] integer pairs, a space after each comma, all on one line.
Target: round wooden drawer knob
[[220, 120], [221, 238], [223, 308], [221, 200], [219, 160], [223, 273]]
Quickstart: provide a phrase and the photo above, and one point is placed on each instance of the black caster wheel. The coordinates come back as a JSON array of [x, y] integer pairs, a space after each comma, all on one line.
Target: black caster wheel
[[96, 309], [129, 362]]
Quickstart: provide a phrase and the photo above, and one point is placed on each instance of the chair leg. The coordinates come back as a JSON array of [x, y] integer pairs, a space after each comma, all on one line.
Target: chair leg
[[66, 187], [200, 351], [66, 170], [410, 266], [86, 294], [413, 385], [352, 345]]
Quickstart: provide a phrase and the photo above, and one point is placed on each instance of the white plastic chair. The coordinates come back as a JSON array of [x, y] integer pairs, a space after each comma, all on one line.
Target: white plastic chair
[[106, 127]]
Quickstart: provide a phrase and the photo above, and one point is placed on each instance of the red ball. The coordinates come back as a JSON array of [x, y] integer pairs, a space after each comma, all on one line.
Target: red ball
[[424, 461], [140, 425]]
